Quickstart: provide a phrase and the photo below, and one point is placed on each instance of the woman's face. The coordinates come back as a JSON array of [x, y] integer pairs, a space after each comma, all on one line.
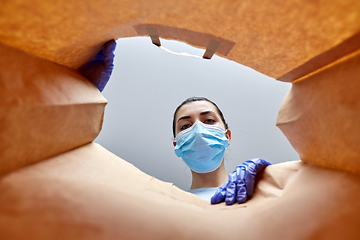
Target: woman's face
[[202, 111]]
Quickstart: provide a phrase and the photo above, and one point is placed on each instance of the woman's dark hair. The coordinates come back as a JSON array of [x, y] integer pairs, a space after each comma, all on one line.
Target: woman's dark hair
[[194, 99]]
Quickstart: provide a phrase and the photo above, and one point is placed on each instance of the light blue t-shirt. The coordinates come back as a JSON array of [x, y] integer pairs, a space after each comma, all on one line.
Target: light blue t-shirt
[[204, 193]]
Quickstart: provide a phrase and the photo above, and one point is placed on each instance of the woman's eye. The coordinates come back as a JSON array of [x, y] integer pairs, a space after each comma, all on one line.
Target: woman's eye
[[209, 121], [185, 127]]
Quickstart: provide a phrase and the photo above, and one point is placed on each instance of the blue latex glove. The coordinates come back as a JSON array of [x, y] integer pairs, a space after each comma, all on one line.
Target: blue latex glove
[[98, 70], [240, 184]]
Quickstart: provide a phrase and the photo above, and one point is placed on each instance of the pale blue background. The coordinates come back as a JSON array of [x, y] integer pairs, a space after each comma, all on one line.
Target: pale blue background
[[148, 84]]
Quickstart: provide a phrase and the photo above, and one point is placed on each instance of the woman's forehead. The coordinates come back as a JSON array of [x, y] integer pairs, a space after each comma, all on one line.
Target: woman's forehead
[[195, 108]]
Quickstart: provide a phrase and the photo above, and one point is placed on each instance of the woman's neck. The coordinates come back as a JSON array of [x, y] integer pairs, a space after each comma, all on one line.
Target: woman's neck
[[211, 179]]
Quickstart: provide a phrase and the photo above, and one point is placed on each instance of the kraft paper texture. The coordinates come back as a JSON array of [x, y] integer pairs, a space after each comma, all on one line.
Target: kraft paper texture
[[320, 116], [45, 109], [89, 193], [56, 184], [272, 36]]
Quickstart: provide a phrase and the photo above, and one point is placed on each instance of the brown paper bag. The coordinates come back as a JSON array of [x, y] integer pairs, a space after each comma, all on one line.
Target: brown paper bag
[[89, 193], [45, 109], [270, 36], [320, 116]]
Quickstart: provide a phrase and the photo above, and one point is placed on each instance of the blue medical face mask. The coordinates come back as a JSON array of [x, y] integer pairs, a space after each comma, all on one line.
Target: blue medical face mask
[[201, 146]]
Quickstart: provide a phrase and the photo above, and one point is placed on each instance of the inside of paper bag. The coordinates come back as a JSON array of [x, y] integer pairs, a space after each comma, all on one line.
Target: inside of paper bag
[[56, 183]]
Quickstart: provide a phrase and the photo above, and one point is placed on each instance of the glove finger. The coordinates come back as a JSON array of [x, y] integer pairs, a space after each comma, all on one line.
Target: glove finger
[[103, 81], [260, 164], [99, 58], [231, 189], [241, 192], [220, 194], [253, 167], [109, 51], [249, 177]]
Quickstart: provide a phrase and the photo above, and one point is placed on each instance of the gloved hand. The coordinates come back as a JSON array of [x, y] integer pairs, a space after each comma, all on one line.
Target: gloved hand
[[98, 70], [240, 184]]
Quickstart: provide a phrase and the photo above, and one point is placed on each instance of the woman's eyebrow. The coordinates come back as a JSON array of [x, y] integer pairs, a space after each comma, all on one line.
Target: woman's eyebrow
[[183, 117], [206, 112], [201, 114]]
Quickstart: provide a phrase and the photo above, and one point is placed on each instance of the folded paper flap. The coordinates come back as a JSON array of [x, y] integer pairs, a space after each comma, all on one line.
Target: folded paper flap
[[271, 37], [32, 134], [320, 115], [89, 188], [154, 35], [27, 80], [276, 178], [45, 109], [203, 40], [286, 112], [89, 162], [335, 53]]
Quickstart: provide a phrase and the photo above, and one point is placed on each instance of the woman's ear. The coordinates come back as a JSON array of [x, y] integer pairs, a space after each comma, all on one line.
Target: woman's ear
[[228, 135]]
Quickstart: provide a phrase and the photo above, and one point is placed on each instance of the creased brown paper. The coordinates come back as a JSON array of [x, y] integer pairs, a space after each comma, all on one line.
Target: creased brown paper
[[45, 109], [320, 116], [272, 36], [92, 194]]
